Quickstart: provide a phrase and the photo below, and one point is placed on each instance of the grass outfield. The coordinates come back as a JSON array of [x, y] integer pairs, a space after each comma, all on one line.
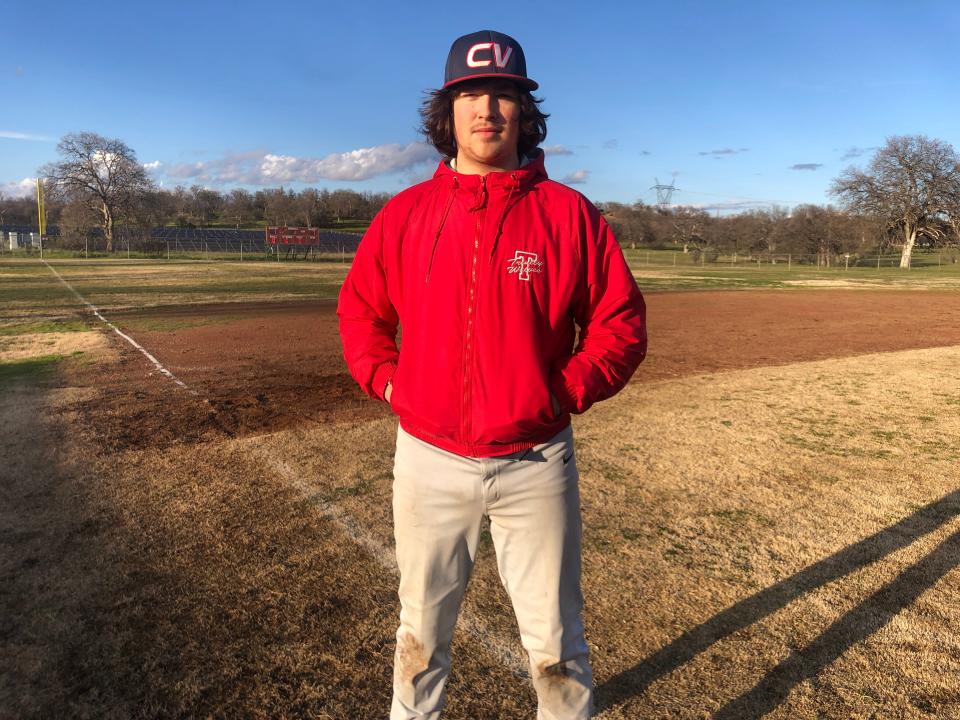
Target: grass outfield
[[655, 271], [776, 542], [27, 287]]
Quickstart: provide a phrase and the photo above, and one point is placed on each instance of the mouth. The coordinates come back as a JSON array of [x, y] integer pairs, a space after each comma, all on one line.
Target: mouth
[[487, 131]]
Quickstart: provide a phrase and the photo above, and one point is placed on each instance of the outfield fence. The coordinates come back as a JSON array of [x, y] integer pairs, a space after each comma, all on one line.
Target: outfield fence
[[786, 261], [180, 243], [236, 244]]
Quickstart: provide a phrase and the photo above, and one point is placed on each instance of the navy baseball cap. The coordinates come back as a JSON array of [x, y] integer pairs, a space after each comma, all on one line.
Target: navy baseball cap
[[486, 54]]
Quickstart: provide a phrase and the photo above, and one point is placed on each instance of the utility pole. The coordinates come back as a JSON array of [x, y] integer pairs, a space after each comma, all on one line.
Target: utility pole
[[665, 192]]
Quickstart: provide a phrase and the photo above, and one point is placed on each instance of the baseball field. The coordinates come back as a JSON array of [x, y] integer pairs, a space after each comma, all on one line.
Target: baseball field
[[195, 501]]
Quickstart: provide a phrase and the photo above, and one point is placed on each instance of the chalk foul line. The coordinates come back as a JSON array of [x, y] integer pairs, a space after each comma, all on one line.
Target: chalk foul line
[[156, 363], [487, 639]]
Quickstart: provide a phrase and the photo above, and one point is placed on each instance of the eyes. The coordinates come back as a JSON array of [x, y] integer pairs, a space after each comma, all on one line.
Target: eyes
[[505, 95]]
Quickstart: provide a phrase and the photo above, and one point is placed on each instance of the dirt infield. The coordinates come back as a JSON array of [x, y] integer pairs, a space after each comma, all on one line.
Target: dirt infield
[[270, 366]]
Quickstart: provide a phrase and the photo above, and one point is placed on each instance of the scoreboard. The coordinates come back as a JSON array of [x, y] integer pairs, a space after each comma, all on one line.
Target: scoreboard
[[293, 236]]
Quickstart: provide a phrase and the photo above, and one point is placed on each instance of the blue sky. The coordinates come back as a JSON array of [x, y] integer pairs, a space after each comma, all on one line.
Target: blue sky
[[744, 103]]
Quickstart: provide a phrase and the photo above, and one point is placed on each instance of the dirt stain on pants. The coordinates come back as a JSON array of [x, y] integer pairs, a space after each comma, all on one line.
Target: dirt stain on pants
[[411, 658], [560, 691], [552, 675]]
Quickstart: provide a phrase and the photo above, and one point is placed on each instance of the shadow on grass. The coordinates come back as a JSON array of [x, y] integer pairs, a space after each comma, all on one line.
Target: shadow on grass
[[859, 623], [27, 370]]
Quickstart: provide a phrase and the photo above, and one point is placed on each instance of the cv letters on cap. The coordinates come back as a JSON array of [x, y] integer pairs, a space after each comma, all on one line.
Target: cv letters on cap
[[500, 59]]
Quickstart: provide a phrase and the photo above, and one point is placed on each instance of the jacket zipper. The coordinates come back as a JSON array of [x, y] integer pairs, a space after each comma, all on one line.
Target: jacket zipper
[[469, 343]]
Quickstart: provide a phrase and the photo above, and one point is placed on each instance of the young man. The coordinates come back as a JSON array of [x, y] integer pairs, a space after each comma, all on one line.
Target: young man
[[490, 268]]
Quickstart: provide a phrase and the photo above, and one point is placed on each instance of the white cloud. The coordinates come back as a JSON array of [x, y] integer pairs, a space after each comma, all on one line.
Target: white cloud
[[19, 188], [855, 152], [557, 150], [577, 177], [13, 135], [724, 151], [103, 161], [359, 164], [186, 170], [262, 168], [806, 166], [155, 165]]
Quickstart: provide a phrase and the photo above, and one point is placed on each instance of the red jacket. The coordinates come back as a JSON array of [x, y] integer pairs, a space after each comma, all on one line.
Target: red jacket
[[487, 276]]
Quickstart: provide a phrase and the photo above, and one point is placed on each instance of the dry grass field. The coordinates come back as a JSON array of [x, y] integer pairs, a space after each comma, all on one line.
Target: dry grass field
[[771, 509]]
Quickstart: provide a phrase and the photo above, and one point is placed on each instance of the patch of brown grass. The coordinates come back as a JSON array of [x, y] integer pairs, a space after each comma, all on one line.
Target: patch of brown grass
[[22, 347]]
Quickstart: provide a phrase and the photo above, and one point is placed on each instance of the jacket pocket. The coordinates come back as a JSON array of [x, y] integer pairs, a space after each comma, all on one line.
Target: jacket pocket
[[396, 382]]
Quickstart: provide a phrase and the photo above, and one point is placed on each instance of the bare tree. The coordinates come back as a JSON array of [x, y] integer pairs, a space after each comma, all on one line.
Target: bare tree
[[344, 204], [816, 230], [75, 222], [773, 226], [305, 206], [165, 203], [279, 208], [240, 207], [181, 201], [953, 213], [20, 211], [374, 203], [908, 183], [102, 172], [205, 204], [689, 224]]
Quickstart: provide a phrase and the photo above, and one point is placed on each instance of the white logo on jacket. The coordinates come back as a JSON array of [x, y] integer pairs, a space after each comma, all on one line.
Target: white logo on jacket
[[523, 263]]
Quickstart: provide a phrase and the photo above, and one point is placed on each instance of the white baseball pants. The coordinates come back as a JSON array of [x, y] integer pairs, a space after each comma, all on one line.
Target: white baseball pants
[[532, 499]]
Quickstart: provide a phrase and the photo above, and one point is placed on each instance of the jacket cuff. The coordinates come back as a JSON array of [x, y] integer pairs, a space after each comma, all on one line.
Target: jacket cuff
[[381, 377], [564, 394]]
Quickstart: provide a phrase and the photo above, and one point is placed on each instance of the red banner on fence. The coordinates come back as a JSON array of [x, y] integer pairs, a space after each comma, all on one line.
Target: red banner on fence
[[293, 236]]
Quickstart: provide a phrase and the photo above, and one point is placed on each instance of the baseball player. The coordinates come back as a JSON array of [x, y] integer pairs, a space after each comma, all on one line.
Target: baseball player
[[517, 310]]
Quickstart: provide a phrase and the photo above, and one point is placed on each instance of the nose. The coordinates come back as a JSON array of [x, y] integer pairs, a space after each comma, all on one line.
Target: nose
[[488, 106]]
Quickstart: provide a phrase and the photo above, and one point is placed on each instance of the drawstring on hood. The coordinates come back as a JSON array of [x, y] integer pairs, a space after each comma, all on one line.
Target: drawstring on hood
[[443, 219], [481, 198], [514, 186]]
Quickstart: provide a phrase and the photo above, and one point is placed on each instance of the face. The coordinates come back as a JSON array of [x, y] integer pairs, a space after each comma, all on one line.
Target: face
[[486, 123]]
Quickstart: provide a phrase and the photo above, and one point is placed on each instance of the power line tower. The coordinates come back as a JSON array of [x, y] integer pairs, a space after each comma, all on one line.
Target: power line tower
[[665, 192]]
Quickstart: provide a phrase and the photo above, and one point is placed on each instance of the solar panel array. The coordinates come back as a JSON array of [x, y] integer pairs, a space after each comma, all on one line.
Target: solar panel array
[[7, 228]]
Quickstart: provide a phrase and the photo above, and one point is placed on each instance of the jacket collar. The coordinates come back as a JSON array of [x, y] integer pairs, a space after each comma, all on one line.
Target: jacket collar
[[520, 179]]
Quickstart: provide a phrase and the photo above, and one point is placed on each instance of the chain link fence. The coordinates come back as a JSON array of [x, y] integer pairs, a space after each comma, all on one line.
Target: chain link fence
[[181, 243], [788, 261], [232, 244]]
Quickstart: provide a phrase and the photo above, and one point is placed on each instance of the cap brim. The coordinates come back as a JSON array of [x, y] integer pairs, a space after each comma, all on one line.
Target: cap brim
[[519, 79]]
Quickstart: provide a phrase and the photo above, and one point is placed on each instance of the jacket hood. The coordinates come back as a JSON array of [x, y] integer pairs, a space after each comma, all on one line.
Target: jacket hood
[[531, 173]]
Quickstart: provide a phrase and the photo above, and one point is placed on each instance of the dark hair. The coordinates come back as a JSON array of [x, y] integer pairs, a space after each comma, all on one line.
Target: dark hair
[[436, 115]]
